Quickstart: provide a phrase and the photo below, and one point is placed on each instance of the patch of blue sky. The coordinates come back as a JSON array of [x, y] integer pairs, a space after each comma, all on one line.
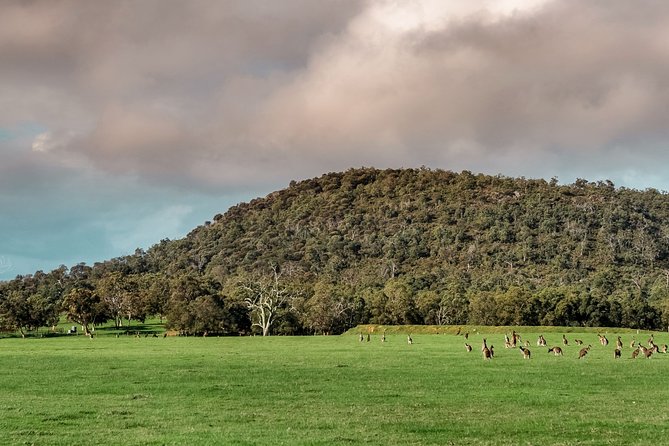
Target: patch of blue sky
[[22, 130], [19, 136]]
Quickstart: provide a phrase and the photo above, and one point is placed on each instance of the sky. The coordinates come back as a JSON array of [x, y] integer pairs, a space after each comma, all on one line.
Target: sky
[[123, 123]]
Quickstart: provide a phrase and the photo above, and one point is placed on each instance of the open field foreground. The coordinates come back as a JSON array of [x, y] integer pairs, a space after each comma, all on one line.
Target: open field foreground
[[329, 390]]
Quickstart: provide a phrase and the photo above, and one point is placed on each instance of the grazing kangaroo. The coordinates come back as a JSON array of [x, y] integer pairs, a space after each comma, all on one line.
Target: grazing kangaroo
[[557, 351], [584, 351], [468, 347], [578, 342], [526, 352], [616, 354]]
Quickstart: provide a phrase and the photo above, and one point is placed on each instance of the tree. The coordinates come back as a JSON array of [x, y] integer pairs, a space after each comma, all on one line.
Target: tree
[[15, 312], [30, 302], [331, 308], [400, 305], [85, 307], [263, 297], [112, 288], [155, 291]]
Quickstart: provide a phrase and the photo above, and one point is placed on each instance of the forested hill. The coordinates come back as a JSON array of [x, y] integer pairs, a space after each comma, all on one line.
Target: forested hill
[[365, 226], [405, 246]]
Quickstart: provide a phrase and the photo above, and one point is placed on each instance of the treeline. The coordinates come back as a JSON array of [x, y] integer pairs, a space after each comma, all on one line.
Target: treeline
[[408, 246]]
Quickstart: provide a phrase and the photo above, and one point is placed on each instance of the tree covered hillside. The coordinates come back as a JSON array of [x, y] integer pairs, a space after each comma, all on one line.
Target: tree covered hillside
[[406, 246]]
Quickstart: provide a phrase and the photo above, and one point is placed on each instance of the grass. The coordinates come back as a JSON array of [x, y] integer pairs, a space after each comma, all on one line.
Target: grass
[[327, 390]]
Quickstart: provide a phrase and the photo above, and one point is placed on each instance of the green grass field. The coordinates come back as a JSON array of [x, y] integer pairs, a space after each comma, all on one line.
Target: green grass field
[[328, 390]]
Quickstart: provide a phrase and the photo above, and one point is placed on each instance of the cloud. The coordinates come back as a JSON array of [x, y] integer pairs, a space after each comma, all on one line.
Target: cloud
[[156, 115], [213, 95], [568, 78]]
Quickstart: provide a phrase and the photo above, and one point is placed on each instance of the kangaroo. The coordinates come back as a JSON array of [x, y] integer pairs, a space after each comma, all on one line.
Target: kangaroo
[[526, 352], [665, 348], [409, 340], [635, 353], [616, 354], [578, 342], [486, 353], [564, 340], [584, 351], [507, 341], [383, 337], [603, 340], [362, 338], [484, 346], [468, 347], [557, 351], [541, 342], [632, 342], [651, 340], [619, 343]]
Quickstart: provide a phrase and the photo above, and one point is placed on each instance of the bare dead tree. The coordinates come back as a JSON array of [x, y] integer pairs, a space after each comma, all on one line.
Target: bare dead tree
[[263, 298]]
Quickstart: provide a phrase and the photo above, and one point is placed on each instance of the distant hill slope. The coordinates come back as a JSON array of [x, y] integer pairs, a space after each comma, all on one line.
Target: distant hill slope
[[369, 225]]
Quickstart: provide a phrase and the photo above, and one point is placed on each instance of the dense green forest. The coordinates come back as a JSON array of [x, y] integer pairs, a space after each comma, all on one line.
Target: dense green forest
[[408, 246]]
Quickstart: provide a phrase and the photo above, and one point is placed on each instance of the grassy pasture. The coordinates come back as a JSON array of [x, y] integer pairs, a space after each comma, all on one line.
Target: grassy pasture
[[328, 390]]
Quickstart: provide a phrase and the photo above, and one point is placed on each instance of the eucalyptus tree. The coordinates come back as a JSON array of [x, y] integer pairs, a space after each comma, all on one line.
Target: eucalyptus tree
[[85, 307]]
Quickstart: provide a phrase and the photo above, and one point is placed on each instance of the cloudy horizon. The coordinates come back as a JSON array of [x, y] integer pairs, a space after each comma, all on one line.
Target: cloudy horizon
[[125, 122]]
